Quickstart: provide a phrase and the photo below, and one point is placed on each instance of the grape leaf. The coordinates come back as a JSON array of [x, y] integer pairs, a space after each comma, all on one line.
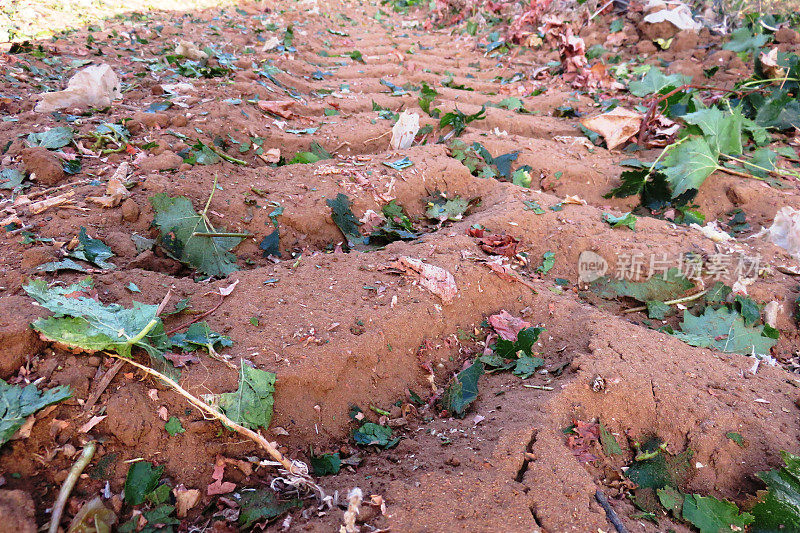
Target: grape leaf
[[345, 220], [668, 286], [743, 40], [779, 508], [18, 403], [655, 81], [711, 515], [142, 479], [262, 506], [370, 434], [625, 220], [92, 251], [326, 464], [463, 390], [200, 335], [722, 131], [52, 139], [251, 404], [178, 223], [724, 330], [688, 164]]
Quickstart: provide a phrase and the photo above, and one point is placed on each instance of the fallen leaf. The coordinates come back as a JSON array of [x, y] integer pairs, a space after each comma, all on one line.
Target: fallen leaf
[[279, 107], [115, 188], [87, 427], [494, 244], [181, 359], [508, 326], [616, 126], [218, 486], [225, 291], [185, 499], [436, 279], [404, 130]]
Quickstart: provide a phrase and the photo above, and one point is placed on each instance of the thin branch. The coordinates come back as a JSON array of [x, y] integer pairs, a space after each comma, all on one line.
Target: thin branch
[[105, 381], [198, 318], [69, 483], [207, 409], [683, 300]]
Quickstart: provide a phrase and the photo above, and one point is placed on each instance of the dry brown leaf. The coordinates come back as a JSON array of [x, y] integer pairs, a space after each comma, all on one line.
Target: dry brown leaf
[[115, 188], [769, 63], [616, 126], [278, 107], [185, 499], [508, 326], [436, 279], [87, 427]]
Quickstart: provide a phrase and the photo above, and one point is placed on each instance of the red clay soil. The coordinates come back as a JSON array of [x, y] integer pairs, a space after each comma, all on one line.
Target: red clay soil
[[344, 329]]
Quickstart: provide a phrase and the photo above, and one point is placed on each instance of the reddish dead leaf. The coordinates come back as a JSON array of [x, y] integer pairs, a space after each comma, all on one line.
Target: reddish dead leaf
[[436, 279], [494, 244], [279, 107], [587, 435], [181, 359], [218, 486], [507, 325], [185, 499]]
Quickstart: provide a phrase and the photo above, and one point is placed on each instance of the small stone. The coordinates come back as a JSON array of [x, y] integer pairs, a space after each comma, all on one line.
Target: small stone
[[121, 244], [164, 161], [44, 165], [659, 30], [152, 120], [179, 121], [453, 461], [130, 210], [18, 340]]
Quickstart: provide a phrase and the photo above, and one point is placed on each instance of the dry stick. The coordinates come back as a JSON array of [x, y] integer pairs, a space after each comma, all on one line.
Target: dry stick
[[69, 483], [102, 386], [204, 407], [683, 300], [610, 512], [378, 137], [198, 318]]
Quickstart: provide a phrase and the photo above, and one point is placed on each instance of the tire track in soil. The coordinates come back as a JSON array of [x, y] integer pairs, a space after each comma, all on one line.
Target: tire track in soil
[[512, 470]]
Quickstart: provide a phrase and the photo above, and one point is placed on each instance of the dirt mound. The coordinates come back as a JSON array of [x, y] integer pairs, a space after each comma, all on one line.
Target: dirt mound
[[343, 330]]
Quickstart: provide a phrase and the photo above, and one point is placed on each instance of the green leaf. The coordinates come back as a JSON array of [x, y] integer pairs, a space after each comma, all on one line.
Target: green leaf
[[625, 220], [532, 205], [462, 390], [661, 469], [548, 262], [524, 343], [658, 310], [761, 162], [724, 330], [655, 81], [743, 40], [512, 103], [51, 139], [711, 515], [616, 25], [748, 308], [174, 426], [526, 366], [93, 251], [200, 335], [661, 288], [442, 209], [304, 158], [722, 131], [178, 223], [609, 442], [251, 404], [688, 164], [262, 505], [11, 178], [426, 96], [142, 479], [345, 220], [133, 287], [18, 403], [779, 508], [779, 110], [370, 434], [672, 500], [326, 464], [400, 164], [84, 323], [396, 215], [736, 437], [718, 293], [66, 264]]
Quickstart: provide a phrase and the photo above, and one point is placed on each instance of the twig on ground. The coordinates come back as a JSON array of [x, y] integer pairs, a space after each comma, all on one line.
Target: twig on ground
[[105, 381], [198, 318], [610, 512], [292, 467], [682, 300], [69, 483]]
